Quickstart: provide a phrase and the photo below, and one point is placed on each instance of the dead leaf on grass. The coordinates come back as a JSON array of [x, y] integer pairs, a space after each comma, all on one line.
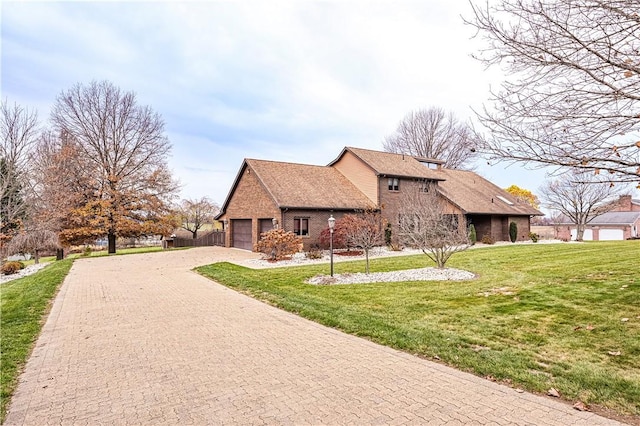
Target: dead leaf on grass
[[553, 392], [590, 327], [520, 390], [616, 353], [478, 348], [624, 319], [581, 406]]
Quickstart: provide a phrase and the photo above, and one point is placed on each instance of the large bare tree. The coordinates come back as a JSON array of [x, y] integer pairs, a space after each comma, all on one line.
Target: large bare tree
[[124, 150], [19, 130], [425, 224], [579, 197], [434, 133], [195, 213], [572, 92]]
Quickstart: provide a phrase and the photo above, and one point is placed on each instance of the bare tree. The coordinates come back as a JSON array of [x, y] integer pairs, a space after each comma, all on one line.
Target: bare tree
[[19, 130], [195, 213], [125, 152], [365, 231], [433, 133], [580, 197], [34, 241], [424, 223], [572, 93]]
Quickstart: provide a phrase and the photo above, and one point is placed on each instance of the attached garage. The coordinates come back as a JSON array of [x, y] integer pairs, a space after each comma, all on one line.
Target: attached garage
[[241, 231], [611, 235]]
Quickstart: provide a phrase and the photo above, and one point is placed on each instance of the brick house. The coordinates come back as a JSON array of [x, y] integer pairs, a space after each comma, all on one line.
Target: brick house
[[300, 197], [621, 222]]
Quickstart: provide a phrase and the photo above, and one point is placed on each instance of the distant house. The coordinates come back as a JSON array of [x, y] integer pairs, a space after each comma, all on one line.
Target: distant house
[[300, 197], [620, 223]]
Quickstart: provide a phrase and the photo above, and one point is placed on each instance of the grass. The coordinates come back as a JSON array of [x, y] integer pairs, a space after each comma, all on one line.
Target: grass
[[23, 303], [550, 317]]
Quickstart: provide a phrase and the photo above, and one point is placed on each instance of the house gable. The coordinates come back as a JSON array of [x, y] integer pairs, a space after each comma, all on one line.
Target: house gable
[[359, 173]]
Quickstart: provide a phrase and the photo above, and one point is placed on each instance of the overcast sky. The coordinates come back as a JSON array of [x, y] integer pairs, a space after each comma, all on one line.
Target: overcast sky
[[288, 81]]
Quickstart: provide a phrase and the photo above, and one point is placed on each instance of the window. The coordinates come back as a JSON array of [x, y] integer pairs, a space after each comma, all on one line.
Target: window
[[301, 226], [394, 184]]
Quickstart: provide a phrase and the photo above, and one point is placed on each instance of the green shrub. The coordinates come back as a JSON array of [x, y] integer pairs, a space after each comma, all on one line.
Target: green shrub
[[534, 237], [86, 252], [487, 239], [387, 235], [473, 237], [513, 232], [11, 267]]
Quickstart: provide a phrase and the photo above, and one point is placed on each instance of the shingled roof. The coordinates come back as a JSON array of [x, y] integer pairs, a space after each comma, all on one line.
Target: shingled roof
[[476, 195], [390, 164], [608, 218], [306, 186]]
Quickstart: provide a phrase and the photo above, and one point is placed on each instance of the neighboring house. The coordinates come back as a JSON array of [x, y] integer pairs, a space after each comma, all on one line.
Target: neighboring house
[[300, 198], [620, 223]]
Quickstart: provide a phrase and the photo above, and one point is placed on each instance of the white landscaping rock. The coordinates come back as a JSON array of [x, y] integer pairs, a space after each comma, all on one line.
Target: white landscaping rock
[[422, 274], [31, 269]]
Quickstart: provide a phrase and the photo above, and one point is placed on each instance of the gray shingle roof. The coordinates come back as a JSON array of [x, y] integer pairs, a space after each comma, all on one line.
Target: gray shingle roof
[[610, 218]]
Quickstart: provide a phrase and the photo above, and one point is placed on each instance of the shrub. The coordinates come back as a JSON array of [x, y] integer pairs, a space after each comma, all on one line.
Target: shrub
[[487, 239], [86, 252], [339, 234], [534, 237], [11, 267], [513, 232], [473, 237], [314, 252], [395, 247], [387, 235], [278, 244]]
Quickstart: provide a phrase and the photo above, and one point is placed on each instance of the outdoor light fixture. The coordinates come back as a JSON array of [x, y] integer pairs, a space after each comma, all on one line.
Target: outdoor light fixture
[[332, 224], [275, 223]]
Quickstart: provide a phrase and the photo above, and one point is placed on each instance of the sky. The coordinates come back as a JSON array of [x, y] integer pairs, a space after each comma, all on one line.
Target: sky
[[277, 80]]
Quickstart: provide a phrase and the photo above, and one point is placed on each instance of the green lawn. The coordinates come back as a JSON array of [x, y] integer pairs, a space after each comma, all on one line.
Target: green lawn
[[552, 314]]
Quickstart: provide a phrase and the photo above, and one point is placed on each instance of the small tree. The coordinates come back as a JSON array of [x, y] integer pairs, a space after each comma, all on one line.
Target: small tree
[[473, 236], [194, 214], [513, 232], [34, 242], [423, 224], [365, 231], [278, 244]]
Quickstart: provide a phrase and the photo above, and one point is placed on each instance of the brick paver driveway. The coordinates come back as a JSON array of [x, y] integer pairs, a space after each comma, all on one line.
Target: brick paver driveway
[[143, 340]]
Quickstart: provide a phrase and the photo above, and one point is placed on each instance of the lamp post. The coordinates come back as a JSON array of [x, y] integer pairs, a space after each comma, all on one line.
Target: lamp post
[[332, 224]]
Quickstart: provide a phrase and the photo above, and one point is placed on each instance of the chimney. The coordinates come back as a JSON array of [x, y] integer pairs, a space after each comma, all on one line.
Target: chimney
[[624, 204]]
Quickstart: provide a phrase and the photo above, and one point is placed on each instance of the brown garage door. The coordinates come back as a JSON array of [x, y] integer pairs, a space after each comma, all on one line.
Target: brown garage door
[[242, 233], [266, 225]]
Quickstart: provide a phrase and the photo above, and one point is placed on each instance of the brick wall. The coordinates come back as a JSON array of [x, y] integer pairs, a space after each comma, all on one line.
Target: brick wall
[[249, 201], [317, 222]]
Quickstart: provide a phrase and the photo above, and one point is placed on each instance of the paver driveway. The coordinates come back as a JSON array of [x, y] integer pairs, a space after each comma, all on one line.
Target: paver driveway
[[143, 340]]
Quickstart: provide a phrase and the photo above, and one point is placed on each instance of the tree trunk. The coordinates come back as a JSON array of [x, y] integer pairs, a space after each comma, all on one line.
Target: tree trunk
[[579, 232], [112, 242], [366, 255], [195, 234], [36, 256]]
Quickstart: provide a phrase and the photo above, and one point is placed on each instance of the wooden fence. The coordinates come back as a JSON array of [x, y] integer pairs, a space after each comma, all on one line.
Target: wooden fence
[[214, 238]]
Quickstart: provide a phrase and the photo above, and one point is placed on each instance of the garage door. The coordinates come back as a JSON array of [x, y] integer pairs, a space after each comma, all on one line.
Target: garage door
[[587, 236], [242, 233], [611, 234]]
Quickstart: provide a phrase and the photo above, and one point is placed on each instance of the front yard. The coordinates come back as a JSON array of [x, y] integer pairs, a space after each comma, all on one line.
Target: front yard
[[563, 316]]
